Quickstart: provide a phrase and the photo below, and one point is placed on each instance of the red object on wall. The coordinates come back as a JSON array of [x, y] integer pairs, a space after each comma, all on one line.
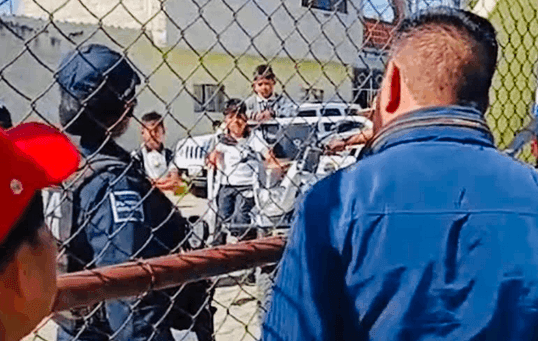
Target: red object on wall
[[378, 34]]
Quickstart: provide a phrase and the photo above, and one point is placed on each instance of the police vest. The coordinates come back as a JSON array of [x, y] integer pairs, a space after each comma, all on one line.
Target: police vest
[[58, 205]]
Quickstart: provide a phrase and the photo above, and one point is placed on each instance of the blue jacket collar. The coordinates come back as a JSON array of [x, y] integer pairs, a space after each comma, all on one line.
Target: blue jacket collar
[[451, 123]]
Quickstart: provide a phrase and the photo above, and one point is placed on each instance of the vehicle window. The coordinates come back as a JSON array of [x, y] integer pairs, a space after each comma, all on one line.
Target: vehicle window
[[307, 113], [288, 141], [328, 126], [331, 112], [347, 126], [351, 111]]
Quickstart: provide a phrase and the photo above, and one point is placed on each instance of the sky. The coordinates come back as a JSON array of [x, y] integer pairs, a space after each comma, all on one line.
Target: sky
[[6, 5], [381, 8]]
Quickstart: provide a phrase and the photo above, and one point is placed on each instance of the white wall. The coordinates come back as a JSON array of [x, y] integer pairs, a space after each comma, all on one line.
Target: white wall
[[266, 27], [122, 14]]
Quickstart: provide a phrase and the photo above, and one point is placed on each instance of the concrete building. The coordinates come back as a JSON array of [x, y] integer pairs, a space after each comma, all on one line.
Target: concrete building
[[192, 55]]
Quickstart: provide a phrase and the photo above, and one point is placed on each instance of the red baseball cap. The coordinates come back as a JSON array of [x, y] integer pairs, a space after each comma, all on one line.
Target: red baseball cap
[[35, 156]]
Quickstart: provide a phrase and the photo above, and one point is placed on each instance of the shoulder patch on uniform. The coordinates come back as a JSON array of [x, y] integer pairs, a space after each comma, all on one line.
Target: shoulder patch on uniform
[[126, 206]]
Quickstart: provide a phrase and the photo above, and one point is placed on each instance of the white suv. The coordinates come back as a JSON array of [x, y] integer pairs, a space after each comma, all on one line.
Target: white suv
[[329, 109]]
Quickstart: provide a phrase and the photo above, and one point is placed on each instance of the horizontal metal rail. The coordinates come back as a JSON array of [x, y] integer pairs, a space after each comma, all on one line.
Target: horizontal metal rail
[[88, 287]]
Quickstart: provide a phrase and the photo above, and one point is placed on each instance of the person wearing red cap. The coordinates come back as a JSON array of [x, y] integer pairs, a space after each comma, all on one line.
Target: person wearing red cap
[[36, 156]]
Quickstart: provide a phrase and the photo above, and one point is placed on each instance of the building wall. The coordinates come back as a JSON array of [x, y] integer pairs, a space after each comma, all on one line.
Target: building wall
[[30, 51], [268, 28], [132, 14]]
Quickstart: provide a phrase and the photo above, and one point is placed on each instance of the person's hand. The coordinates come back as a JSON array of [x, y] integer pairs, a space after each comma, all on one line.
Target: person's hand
[[170, 182], [165, 184], [336, 145], [214, 158], [263, 116]]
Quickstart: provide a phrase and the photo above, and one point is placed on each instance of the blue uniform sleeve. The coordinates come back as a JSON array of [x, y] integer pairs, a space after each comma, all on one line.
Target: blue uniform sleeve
[[309, 300]]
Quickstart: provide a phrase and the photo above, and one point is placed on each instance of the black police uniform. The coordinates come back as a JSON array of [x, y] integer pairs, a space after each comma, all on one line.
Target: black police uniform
[[118, 217]]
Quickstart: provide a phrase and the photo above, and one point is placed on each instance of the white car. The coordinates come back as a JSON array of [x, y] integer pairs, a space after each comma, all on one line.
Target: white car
[[330, 109], [190, 157]]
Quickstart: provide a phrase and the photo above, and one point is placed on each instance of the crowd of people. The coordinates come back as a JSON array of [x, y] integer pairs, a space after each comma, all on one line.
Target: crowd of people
[[237, 153], [432, 235]]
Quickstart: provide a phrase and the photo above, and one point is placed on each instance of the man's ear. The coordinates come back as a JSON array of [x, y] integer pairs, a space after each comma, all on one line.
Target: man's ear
[[394, 86]]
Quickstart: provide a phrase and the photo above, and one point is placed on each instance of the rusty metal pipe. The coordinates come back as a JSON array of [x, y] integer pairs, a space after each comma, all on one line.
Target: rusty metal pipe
[[88, 287]]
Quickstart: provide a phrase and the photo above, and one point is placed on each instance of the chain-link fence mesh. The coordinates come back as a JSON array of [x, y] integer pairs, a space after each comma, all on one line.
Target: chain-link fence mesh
[[192, 56]]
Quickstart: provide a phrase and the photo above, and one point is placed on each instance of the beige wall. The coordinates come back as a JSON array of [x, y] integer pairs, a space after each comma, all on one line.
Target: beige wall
[[122, 14]]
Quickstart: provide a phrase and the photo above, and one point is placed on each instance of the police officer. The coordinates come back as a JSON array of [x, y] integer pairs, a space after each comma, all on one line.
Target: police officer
[[116, 214], [34, 156]]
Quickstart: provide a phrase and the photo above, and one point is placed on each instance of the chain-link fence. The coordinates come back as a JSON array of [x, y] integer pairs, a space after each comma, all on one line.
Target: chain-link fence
[[326, 61]]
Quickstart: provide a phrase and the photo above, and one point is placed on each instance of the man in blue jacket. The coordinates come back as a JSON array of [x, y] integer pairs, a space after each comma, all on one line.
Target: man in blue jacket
[[433, 235]]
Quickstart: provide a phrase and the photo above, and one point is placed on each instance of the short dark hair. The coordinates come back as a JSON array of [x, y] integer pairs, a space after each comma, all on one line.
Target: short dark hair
[[427, 31], [235, 106], [25, 231], [153, 116], [264, 71], [101, 112]]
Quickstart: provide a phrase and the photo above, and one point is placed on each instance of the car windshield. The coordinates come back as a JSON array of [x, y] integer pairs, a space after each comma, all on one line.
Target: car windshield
[[351, 111], [347, 126], [289, 140], [307, 113], [331, 112], [342, 127]]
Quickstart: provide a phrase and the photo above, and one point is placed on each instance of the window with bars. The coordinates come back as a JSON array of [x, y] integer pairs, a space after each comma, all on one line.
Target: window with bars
[[366, 82], [326, 5], [209, 97]]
